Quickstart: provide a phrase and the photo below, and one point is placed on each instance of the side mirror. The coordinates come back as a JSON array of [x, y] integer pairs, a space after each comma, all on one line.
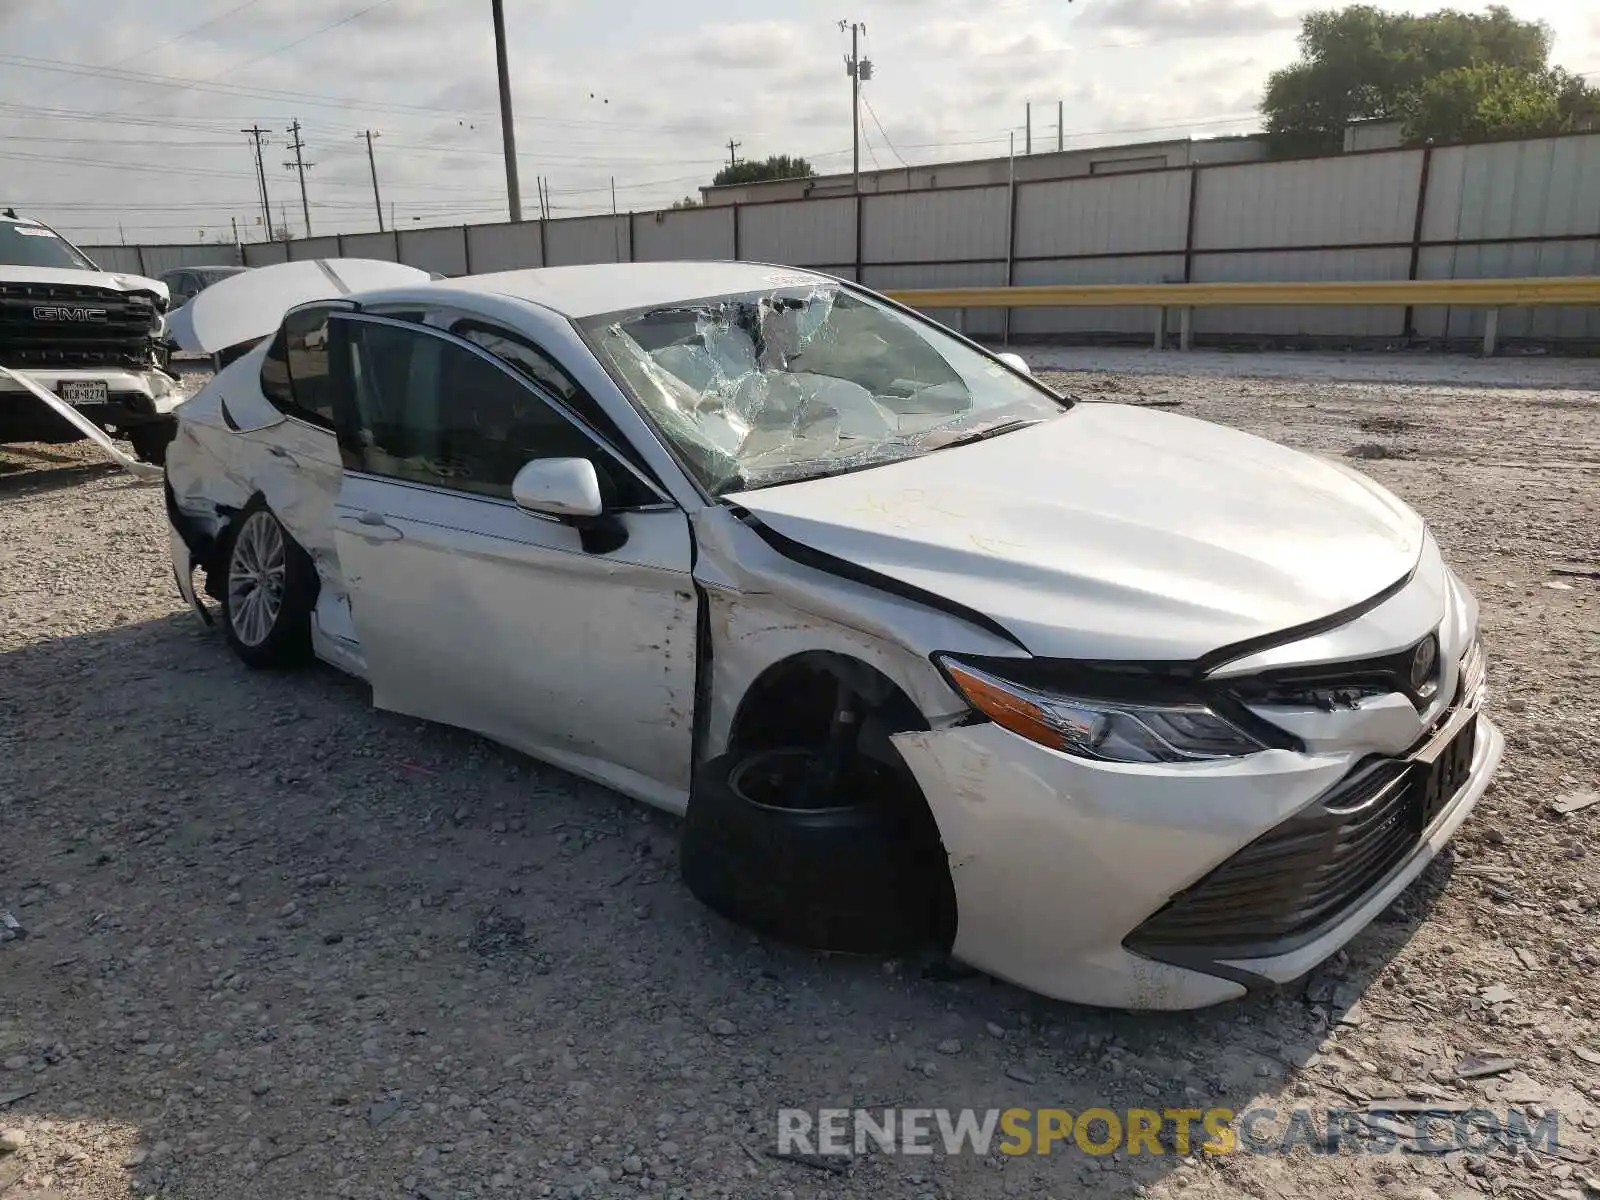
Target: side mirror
[[1017, 363], [566, 488]]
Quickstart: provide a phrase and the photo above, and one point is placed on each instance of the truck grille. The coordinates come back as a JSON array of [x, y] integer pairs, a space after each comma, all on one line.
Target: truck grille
[[73, 325]]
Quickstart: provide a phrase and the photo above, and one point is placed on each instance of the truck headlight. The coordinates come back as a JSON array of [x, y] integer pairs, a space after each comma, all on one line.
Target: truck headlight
[[1108, 730]]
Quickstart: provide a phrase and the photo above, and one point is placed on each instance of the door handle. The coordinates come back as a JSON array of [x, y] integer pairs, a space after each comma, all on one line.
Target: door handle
[[279, 452], [373, 527]]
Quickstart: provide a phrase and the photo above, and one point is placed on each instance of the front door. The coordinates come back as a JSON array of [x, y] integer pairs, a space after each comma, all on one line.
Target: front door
[[473, 612]]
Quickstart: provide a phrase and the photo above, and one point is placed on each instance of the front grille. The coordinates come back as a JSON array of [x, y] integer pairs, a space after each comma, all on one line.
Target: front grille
[[1289, 885], [74, 326], [1283, 887], [1341, 685]]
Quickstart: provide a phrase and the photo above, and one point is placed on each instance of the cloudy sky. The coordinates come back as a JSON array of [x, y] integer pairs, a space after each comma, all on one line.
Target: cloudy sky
[[113, 112]]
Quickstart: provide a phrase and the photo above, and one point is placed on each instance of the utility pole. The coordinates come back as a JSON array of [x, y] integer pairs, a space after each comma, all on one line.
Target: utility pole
[[859, 71], [1061, 126], [733, 160], [616, 229], [1029, 127], [283, 215], [507, 133], [300, 164], [256, 132], [122, 235], [235, 221], [373, 163]]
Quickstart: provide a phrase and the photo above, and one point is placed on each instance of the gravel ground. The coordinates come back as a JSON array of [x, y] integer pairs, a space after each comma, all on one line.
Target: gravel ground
[[282, 945]]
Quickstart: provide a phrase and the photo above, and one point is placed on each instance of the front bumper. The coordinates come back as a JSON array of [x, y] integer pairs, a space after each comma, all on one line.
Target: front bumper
[[134, 398], [1058, 862]]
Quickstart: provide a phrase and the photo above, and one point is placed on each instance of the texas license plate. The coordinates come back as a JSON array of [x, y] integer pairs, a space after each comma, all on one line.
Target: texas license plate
[[84, 391], [1444, 777]]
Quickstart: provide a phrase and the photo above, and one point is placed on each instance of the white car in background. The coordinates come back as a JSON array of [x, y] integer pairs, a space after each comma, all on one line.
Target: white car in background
[[1125, 707]]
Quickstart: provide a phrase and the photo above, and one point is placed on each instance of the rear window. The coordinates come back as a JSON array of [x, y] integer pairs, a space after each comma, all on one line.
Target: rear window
[[295, 373], [24, 245]]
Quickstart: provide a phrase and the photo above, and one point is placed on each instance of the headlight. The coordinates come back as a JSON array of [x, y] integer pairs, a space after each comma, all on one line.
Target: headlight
[[1109, 730]]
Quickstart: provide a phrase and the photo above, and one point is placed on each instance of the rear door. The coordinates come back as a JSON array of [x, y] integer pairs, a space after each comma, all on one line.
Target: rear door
[[301, 453], [476, 613]]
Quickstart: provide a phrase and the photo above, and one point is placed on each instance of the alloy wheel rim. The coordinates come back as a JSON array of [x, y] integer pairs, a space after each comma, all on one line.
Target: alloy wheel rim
[[256, 577]]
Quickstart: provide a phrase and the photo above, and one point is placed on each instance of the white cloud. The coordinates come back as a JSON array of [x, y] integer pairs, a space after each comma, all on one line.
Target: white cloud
[[1207, 16], [671, 86]]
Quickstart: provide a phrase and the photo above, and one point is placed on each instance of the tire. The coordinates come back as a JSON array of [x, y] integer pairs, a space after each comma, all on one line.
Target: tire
[[269, 587], [861, 873], [150, 441]]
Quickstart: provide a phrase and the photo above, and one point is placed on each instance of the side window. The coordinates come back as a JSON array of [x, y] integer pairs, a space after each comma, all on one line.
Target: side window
[[275, 375], [430, 411], [527, 359], [294, 374]]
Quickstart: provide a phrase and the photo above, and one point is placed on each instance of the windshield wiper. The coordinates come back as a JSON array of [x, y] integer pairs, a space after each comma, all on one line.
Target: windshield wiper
[[982, 435]]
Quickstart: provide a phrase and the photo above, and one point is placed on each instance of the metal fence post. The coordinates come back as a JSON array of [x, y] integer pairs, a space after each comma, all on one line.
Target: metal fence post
[[1408, 330], [1161, 328], [1186, 327], [1188, 235], [1491, 332]]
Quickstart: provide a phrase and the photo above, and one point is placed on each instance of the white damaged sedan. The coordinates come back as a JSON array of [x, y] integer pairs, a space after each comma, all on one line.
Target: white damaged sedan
[[1124, 707]]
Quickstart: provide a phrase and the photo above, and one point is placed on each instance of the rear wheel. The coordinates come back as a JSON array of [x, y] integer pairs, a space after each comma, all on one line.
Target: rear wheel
[[268, 592]]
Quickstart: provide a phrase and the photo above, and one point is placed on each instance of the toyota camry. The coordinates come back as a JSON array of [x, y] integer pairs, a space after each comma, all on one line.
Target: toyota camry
[[1125, 707]]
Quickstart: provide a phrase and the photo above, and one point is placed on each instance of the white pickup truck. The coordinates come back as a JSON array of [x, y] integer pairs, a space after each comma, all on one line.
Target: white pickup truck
[[93, 338]]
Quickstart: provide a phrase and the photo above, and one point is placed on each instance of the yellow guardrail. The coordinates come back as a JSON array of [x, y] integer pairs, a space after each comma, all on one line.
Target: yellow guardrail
[[1493, 294], [1472, 293]]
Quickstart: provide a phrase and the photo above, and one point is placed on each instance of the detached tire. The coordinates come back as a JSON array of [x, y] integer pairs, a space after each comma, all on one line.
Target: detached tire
[[150, 442], [268, 591], [863, 873]]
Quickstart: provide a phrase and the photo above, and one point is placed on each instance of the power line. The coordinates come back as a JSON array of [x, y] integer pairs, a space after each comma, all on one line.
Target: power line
[[178, 37], [249, 62], [871, 153], [306, 99], [879, 124]]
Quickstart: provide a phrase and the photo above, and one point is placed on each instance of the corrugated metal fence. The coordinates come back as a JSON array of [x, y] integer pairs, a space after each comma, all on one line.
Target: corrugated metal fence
[[1520, 208]]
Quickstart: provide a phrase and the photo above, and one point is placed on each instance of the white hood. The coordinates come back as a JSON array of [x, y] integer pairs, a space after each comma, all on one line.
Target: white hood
[[114, 280], [248, 307], [1115, 532]]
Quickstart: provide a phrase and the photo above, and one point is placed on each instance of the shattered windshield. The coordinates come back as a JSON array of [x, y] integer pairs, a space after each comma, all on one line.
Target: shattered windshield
[[764, 388], [36, 246]]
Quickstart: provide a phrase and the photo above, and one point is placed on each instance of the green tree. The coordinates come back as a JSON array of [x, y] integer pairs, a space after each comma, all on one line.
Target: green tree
[[778, 166], [1472, 103], [1446, 74], [686, 202]]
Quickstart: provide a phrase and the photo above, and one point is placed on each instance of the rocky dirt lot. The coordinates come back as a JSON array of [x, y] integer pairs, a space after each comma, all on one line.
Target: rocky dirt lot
[[281, 945]]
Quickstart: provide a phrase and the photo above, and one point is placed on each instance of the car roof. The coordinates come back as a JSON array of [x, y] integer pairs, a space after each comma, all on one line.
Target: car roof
[[595, 289]]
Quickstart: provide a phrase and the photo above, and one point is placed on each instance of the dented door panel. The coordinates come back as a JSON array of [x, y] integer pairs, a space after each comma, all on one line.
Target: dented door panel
[[472, 612]]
